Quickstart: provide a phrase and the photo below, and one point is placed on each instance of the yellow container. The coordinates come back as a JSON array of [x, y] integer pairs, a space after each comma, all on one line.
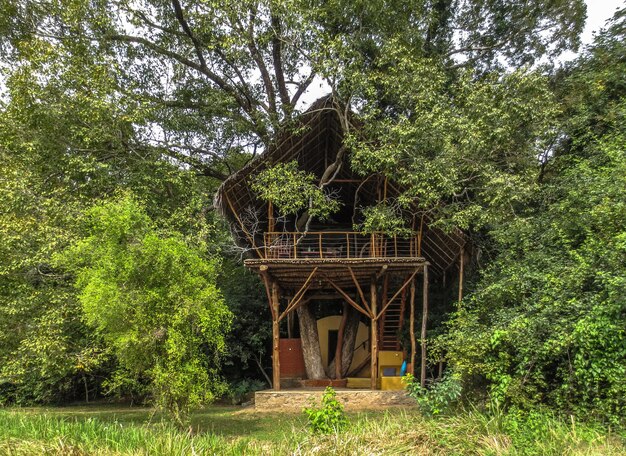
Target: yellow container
[[390, 363]]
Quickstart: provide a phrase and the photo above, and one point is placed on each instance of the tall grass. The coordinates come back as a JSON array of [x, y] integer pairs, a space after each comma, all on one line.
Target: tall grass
[[468, 432]]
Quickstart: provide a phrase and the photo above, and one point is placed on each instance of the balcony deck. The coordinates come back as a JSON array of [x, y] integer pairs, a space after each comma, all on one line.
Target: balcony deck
[[342, 258]]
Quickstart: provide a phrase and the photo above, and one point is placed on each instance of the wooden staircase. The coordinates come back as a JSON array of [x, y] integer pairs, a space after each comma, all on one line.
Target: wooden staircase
[[391, 322]]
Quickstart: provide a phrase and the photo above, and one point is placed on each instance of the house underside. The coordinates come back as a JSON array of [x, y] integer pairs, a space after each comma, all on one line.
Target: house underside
[[331, 265]]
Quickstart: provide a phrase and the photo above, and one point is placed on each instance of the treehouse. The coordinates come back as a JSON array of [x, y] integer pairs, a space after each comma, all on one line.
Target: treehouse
[[356, 296]]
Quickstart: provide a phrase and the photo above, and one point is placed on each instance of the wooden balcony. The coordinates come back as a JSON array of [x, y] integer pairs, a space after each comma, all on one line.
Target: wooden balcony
[[339, 244]]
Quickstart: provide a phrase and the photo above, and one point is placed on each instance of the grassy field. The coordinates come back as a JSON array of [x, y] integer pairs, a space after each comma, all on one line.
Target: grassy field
[[113, 430]]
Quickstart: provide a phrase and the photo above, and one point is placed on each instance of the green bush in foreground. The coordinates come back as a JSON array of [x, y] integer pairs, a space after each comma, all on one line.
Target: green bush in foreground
[[330, 417], [438, 399]]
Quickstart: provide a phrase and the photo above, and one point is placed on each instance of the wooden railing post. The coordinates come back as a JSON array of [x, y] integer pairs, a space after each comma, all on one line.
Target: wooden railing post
[[321, 246], [424, 322]]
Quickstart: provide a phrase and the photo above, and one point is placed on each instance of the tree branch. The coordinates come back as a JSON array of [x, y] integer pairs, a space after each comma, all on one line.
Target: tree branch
[[258, 59], [302, 86], [278, 64]]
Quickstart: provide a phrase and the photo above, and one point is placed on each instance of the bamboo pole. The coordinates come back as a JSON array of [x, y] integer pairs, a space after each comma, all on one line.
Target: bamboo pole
[[374, 336], [424, 320], [270, 217], [320, 246], [359, 289], [349, 300], [275, 338], [461, 255], [412, 326]]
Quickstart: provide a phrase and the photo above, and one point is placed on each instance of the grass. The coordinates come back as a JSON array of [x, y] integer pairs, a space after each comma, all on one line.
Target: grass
[[116, 430]]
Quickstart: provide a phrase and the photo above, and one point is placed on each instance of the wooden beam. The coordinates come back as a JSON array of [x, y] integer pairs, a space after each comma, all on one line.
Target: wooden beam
[[268, 288], [374, 336], [461, 261], [299, 295], [347, 297], [404, 285], [270, 217], [275, 339], [412, 327], [419, 237], [359, 289], [424, 321]]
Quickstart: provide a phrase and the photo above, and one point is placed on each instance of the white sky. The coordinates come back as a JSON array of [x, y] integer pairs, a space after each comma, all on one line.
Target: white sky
[[598, 12]]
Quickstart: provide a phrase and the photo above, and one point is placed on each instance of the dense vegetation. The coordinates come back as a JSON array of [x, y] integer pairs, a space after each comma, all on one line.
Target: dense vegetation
[[118, 120]]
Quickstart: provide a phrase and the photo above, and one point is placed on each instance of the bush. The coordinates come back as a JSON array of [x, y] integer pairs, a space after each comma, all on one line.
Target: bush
[[330, 417], [439, 398], [240, 390]]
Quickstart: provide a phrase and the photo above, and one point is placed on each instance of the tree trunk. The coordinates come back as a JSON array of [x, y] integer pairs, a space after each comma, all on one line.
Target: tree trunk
[[349, 339], [310, 343]]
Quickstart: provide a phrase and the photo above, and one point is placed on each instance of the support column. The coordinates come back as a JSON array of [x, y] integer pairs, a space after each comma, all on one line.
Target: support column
[[424, 320], [374, 334], [461, 263], [275, 337], [412, 327]]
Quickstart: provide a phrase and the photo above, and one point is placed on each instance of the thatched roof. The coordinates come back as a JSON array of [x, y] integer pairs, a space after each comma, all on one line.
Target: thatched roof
[[313, 141]]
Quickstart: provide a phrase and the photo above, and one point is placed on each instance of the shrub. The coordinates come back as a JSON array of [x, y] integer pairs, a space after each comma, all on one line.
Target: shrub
[[439, 398], [330, 417], [239, 390]]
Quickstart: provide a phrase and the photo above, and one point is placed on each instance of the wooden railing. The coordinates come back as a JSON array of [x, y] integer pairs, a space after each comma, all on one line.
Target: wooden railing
[[339, 244]]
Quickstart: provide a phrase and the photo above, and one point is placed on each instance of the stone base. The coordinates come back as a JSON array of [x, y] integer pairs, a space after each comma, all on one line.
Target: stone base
[[295, 400]]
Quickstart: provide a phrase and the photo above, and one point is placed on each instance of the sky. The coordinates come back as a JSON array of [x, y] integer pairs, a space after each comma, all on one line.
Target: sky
[[598, 12]]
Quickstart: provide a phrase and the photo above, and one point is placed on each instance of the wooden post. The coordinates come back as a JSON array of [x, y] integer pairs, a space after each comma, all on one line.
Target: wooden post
[[320, 245], [461, 261], [374, 335], [295, 246], [424, 320], [275, 337], [412, 327], [270, 217]]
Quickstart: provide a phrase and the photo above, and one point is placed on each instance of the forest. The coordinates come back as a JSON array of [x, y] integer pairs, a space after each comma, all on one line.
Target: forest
[[122, 283]]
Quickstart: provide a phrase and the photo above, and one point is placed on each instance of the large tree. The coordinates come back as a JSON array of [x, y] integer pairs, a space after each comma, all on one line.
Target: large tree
[[216, 79], [545, 323], [203, 86]]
